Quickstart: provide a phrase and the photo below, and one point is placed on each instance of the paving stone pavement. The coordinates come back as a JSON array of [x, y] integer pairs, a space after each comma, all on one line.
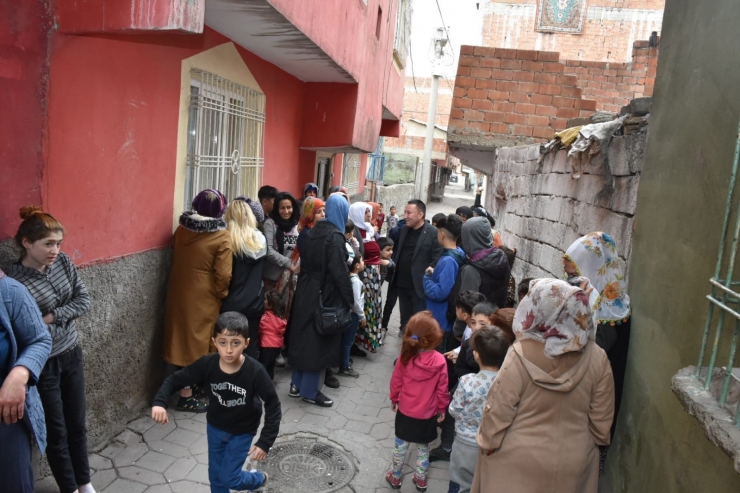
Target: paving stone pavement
[[173, 458]]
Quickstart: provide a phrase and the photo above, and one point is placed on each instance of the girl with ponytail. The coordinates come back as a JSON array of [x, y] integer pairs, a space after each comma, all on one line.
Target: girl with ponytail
[[419, 396]]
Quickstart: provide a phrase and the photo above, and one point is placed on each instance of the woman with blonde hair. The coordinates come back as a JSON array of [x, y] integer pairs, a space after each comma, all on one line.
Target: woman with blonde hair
[[246, 291]]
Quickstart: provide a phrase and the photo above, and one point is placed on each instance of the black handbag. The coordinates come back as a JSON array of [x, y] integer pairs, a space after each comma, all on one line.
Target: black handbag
[[330, 320]]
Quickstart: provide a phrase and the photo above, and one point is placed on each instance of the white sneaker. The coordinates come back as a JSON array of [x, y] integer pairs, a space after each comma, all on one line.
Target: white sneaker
[[263, 486]]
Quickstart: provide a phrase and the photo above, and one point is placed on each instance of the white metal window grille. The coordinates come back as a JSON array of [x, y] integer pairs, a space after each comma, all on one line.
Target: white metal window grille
[[226, 129], [351, 173], [403, 32]]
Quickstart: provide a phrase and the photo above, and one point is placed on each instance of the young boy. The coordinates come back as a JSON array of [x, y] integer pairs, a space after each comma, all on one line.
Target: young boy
[[524, 287], [489, 345], [381, 218], [358, 316], [438, 217], [481, 317], [236, 382], [464, 304], [386, 257], [392, 218], [438, 281]]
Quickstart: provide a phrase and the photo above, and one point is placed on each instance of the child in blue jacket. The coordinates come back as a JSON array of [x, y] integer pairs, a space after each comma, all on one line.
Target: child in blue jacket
[[439, 280]]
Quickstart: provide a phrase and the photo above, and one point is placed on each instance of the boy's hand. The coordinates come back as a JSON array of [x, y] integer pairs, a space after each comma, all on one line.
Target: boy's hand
[[394, 407], [384, 262], [441, 417], [363, 323], [159, 415], [451, 355], [257, 453], [429, 271]]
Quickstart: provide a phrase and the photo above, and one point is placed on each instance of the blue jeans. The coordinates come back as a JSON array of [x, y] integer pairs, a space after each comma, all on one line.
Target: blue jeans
[[15, 456], [348, 338], [226, 456]]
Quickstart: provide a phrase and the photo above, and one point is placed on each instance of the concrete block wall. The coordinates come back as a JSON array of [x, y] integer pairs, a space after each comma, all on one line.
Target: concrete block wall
[[543, 209]]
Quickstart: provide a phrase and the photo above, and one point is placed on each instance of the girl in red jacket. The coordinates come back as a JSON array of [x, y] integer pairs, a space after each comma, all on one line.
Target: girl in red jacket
[[272, 331], [419, 396]]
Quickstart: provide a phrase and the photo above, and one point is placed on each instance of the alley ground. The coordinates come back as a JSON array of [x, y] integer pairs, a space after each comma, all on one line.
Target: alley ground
[[150, 458]]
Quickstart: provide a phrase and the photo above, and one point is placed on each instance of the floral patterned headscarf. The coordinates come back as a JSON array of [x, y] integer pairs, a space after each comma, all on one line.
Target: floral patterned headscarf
[[308, 211], [595, 257], [555, 314]]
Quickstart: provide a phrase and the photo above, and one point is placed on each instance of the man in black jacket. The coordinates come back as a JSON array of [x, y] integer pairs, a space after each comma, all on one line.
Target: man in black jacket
[[417, 250]]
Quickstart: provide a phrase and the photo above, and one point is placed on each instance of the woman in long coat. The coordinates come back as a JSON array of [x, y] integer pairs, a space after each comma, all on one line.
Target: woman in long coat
[[199, 280], [323, 270], [552, 403]]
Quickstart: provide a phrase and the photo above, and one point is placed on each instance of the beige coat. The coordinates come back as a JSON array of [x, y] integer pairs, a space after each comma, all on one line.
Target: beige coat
[[199, 280], [545, 419]]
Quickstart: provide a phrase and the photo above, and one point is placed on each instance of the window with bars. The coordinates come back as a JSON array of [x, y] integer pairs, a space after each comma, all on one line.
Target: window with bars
[[226, 128], [351, 173], [403, 32]]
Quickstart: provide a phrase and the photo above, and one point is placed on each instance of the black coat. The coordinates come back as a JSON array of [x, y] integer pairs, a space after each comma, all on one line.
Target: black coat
[[308, 350], [246, 291], [426, 254]]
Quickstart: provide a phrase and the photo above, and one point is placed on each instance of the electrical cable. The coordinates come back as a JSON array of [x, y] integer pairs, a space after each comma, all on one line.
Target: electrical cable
[[449, 41]]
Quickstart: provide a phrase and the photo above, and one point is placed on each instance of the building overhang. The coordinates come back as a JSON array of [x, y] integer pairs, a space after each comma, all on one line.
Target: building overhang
[[262, 29], [479, 151]]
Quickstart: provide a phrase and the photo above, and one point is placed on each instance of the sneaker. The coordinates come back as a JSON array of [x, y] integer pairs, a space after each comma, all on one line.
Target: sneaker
[[321, 400], [191, 405], [330, 380], [439, 454], [348, 372], [280, 361], [356, 351], [262, 486], [198, 391], [294, 392], [421, 483], [393, 480]]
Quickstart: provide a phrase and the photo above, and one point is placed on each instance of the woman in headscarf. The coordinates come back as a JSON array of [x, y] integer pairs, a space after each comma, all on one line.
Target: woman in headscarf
[[595, 257], [281, 234], [370, 336], [246, 291], [199, 280], [552, 403], [324, 271]]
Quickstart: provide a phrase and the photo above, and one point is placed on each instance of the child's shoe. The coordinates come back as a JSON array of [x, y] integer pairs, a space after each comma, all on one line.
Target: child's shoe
[[393, 480], [263, 486], [421, 483], [191, 404]]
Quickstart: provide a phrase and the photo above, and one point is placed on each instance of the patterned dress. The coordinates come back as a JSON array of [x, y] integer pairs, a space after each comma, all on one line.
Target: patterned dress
[[371, 337]]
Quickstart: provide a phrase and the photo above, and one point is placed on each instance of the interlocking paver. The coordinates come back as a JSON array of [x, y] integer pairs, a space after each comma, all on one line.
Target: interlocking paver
[[189, 487], [198, 474], [125, 486], [169, 448], [183, 437], [155, 461], [130, 455], [180, 469], [99, 463], [141, 475]]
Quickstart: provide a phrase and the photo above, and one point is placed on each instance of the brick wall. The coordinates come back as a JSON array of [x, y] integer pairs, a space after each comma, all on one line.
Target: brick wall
[[609, 28], [613, 85], [542, 210], [521, 95], [528, 96]]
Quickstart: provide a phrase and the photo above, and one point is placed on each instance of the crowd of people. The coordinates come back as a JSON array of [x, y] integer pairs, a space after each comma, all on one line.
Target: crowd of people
[[503, 373]]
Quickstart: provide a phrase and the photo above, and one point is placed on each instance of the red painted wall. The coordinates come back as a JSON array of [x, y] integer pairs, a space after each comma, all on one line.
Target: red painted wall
[[113, 118], [24, 28]]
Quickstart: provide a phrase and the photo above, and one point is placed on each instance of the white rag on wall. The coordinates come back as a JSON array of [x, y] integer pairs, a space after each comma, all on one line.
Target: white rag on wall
[[590, 140]]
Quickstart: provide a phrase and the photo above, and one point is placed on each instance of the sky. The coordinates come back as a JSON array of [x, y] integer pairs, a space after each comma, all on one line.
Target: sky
[[464, 24]]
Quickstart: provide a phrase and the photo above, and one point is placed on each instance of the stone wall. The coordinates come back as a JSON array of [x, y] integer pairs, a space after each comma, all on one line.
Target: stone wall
[[121, 337], [541, 209]]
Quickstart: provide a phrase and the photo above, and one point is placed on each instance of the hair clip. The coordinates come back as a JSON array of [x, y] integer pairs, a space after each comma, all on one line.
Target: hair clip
[[416, 338]]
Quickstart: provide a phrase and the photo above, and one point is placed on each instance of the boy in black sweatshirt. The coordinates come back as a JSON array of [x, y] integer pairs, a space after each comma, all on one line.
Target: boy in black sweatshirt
[[238, 385]]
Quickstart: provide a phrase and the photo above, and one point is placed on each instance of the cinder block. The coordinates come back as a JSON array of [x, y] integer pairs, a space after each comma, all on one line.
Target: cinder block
[[618, 157], [625, 194]]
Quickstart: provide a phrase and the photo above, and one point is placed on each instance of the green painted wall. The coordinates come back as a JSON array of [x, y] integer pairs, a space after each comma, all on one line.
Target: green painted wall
[[660, 448]]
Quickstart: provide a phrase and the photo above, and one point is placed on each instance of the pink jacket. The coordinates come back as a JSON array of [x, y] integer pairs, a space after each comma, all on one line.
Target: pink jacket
[[420, 387], [272, 329]]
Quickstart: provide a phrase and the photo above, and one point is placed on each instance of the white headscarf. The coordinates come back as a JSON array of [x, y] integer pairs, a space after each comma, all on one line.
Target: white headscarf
[[357, 215], [595, 257], [556, 314]]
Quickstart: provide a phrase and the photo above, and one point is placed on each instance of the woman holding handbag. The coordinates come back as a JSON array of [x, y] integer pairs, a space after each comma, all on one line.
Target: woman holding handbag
[[323, 281]]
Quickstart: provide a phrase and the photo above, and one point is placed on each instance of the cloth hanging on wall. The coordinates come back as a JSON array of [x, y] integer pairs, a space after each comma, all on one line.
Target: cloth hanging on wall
[[563, 16]]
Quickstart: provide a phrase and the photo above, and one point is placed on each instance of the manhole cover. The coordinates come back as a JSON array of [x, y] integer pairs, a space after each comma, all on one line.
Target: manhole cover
[[306, 465]]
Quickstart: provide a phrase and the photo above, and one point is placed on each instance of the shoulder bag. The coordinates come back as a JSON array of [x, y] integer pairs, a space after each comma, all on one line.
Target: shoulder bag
[[330, 320]]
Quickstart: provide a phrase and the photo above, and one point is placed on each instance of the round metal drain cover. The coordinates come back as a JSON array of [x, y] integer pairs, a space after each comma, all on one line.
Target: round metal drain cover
[[306, 465]]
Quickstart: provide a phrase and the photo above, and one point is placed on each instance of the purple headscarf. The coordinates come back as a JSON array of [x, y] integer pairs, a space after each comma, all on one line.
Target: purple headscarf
[[210, 203]]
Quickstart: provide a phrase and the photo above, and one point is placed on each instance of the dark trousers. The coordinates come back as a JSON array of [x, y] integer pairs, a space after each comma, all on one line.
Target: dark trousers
[[15, 457], [62, 389], [268, 355], [615, 341], [410, 304], [390, 303], [254, 336]]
